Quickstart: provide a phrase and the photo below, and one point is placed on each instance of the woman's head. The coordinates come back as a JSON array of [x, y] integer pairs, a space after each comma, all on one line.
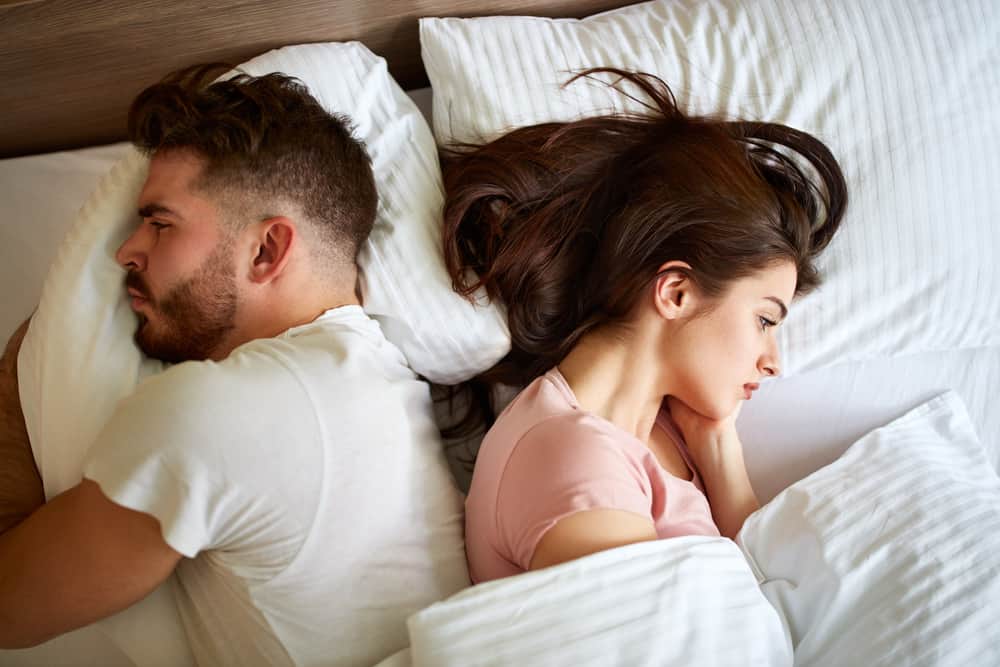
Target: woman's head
[[711, 353], [571, 224]]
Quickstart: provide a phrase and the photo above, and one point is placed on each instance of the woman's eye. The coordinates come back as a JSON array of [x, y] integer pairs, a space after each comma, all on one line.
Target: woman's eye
[[158, 225], [765, 323]]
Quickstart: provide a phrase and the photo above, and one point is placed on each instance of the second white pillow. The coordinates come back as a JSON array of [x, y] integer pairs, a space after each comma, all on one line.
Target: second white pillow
[[891, 554]]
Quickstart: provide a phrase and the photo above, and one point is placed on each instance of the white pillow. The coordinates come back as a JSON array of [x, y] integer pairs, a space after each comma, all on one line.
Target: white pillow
[[905, 92], [684, 601], [41, 195], [891, 554]]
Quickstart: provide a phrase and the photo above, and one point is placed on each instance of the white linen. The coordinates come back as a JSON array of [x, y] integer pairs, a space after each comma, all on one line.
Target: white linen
[[890, 555], [78, 359], [905, 92], [794, 426], [682, 601], [41, 196]]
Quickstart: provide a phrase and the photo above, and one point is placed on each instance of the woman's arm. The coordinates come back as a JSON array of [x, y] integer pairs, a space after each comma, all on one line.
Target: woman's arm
[[718, 455], [588, 532], [727, 485]]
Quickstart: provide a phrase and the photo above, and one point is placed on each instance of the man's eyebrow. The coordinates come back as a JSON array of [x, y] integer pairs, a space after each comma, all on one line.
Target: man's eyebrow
[[781, 304], [149, 210]]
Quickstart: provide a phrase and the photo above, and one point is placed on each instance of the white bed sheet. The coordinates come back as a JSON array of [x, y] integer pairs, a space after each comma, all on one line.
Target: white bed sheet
[[796, 425]]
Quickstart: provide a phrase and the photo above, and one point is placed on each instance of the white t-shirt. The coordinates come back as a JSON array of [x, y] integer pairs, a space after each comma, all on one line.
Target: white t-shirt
[[304, 480]]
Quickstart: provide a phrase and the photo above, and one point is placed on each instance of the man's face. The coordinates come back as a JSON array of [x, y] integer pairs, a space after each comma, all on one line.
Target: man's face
[[181, 273]]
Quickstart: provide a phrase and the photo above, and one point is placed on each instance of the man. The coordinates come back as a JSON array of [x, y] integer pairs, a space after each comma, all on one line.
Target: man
[[289, 471]]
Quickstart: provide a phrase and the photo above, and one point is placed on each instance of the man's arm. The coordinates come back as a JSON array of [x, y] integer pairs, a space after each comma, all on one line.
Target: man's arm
[[20, 484], [77, 559]]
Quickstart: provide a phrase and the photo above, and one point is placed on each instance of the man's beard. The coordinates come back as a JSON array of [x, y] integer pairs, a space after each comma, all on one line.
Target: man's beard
[[194, 317]]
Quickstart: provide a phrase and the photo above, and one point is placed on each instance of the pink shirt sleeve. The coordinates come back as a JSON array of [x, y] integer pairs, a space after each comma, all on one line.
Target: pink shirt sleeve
[[562, 466]]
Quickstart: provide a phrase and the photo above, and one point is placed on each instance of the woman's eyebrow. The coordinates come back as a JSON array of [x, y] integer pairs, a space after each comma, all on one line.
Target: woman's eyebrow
[[781, 304]]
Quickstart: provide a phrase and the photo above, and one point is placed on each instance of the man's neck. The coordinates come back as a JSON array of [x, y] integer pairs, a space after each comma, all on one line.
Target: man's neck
[[268, 320]]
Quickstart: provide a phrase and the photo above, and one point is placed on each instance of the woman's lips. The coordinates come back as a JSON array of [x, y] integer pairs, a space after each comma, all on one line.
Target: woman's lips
[[749, 389]]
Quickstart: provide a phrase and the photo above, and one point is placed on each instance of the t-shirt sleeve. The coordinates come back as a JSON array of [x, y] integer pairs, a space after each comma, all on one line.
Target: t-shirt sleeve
[[561, 467], [196, 450]]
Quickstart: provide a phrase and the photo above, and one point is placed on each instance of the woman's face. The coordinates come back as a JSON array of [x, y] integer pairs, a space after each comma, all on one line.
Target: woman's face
[[717, 359]]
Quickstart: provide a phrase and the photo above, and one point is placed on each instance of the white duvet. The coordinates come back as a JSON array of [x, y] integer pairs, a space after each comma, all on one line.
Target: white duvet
[[889, 556]]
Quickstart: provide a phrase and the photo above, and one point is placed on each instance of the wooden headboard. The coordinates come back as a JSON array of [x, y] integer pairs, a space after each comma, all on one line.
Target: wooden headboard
[[70, 68]]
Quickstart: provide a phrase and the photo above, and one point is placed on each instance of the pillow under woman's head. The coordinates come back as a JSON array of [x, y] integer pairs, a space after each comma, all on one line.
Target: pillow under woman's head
[[913, 269]]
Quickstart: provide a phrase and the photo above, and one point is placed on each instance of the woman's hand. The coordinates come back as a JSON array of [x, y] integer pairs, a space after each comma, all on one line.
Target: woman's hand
[[718, 456]]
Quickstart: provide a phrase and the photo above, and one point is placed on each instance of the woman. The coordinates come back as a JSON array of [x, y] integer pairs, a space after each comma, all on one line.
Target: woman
[[646, 262]]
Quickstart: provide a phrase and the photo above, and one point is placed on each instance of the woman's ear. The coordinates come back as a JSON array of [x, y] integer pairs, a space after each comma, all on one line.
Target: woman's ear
[[674, 293], [273, 241]]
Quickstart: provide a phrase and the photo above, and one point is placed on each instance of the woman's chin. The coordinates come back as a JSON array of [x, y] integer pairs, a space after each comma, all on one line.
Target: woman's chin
[[721, 410]]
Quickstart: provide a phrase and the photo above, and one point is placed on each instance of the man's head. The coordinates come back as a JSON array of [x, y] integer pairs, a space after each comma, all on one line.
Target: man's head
[[255, 208]]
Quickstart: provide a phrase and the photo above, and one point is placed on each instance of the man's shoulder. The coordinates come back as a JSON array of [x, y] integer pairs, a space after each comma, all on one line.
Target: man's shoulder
[[309, 362], [204, 411], [240, 381], [348, 347], [242, 366]]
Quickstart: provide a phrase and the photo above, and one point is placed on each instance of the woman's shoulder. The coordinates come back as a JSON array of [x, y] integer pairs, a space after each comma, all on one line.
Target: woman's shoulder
[[570, 441]]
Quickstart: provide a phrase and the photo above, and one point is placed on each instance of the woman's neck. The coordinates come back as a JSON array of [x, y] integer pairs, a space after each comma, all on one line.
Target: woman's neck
[[617, 378]]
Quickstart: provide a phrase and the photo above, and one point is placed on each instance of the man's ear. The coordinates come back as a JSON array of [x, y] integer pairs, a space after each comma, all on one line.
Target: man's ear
[[273, 242], [674, 293]]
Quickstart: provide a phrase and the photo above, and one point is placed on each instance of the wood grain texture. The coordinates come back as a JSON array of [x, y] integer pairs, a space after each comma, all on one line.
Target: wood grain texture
[[70, 68]]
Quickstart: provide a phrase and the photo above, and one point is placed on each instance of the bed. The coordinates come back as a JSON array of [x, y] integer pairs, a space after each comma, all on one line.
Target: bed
[[900, 349]]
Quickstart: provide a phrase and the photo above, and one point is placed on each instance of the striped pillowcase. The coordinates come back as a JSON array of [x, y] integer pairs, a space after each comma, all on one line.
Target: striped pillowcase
[[891, 554], [905, 92]]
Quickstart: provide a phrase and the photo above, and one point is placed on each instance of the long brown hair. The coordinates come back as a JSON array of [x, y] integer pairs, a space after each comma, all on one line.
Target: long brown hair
[[567, 224]]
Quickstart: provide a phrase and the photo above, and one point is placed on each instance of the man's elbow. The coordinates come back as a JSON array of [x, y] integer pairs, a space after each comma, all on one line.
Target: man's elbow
[[17, 627], [15, 634]]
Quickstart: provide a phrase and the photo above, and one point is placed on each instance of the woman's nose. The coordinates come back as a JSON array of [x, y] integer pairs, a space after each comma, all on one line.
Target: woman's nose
[[770, 362]]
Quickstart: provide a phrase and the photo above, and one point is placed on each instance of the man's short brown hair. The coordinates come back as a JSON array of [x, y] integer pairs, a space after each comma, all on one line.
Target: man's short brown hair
[[267, 145]]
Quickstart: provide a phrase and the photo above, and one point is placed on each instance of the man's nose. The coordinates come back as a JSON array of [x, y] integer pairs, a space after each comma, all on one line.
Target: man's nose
[[131, 254]]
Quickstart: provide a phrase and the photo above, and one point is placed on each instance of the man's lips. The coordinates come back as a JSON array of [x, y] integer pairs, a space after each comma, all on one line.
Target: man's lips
[[138, 298]]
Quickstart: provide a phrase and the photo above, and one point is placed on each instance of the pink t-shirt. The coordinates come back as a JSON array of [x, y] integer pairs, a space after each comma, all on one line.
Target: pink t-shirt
[[546, 458]]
